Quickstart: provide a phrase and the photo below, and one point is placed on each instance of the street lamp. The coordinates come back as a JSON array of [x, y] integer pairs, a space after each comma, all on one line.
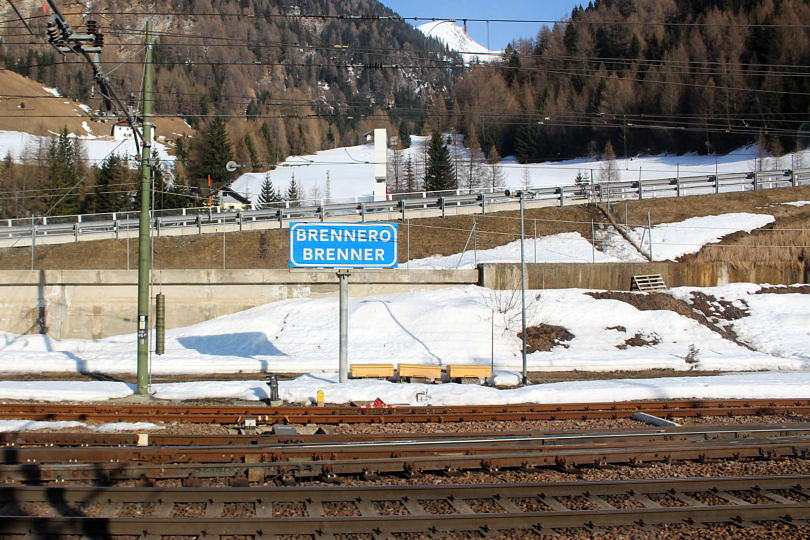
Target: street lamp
[[521, 194]]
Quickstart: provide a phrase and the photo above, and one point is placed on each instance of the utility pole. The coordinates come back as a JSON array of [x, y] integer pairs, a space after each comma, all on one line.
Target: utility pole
[[143, 224]]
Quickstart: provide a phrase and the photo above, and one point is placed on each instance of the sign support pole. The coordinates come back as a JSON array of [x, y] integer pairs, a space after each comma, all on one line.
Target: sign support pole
[[343, 277]]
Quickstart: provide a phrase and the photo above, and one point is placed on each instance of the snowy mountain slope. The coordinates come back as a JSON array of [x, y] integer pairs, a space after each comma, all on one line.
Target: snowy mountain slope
[[457, 39]]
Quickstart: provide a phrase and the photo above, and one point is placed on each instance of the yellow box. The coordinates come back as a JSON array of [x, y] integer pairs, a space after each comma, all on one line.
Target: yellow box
[[419, 370], [459, 372], [374, 371]]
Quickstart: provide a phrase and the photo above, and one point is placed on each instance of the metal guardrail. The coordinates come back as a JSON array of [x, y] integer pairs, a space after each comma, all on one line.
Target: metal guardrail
[[25, 231]]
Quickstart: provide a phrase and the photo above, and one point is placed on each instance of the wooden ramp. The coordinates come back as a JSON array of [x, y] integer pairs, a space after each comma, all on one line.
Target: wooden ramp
[[648, 282]]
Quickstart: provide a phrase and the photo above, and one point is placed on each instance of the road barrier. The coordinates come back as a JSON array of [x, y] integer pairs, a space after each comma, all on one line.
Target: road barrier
[[62, 229]]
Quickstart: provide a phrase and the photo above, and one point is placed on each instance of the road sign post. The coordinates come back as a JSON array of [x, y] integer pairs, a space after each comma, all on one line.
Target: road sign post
[[343, 246]]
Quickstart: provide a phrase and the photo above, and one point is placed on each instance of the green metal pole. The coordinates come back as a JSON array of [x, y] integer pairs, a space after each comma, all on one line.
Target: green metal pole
[[143, 225]]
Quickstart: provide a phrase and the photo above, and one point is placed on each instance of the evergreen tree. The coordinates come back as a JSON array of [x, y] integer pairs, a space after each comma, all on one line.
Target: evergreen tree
[[404, 135], [293, 192], [269, 145], [251, 150], [410, 176], [439, 171], [268, 193], [64, 170], [178, 194], [110, 178], [211, 154]]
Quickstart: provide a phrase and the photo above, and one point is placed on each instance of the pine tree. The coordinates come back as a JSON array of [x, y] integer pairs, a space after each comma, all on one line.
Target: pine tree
[[293, 192], [64, 169], [404, 135], [410, 176], [110, 180], [268, 193], [269, 145], [251, 150], [439, 170], [178, 194], [211, 154]]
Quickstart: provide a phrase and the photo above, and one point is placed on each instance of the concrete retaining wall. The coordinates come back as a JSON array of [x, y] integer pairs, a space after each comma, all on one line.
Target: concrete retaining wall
[[101, 303]]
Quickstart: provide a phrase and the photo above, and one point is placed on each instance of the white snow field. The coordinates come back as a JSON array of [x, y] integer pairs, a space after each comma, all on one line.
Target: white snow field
[[462, 325]]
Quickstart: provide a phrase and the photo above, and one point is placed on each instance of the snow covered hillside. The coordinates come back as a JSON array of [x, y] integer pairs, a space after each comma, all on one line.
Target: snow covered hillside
[[346, 174], [456, 39]]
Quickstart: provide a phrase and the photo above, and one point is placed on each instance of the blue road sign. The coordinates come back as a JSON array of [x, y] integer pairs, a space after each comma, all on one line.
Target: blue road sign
[[343, 245]]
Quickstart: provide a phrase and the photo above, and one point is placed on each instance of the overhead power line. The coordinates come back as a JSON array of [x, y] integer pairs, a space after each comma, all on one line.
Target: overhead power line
[[367, 18]]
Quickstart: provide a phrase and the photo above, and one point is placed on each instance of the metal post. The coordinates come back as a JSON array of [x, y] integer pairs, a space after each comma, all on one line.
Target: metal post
[[535, 241], [223, 244], [33, 242], [593, 244], [475, 243], [492, 346], [408, 243], [524, 379], [716, 179], [143, 225], [272, 382], [343, 352], [677, 180]]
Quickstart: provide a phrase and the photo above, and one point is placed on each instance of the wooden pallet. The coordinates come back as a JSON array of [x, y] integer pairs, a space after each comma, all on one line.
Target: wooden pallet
[[648, 282]]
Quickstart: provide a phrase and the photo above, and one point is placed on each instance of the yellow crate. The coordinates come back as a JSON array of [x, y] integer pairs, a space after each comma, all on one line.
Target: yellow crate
[[419, 370], [374, 371], [471, 372]]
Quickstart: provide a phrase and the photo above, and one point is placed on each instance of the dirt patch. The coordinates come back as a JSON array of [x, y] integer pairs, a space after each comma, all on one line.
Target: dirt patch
[[801, 289], [648, 302], [640, 340], [545, 336], [661, 301], [716, 309]]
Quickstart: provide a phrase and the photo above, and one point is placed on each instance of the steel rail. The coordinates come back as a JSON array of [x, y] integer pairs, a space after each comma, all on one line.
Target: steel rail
[[343, 414], [294, 471], [292, 463], [434, 509], [231, 454], [326, 441]]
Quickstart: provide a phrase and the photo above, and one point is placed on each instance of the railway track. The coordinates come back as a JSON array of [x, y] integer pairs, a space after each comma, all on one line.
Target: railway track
[[257, 460], [348, 415], [426, 511]]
